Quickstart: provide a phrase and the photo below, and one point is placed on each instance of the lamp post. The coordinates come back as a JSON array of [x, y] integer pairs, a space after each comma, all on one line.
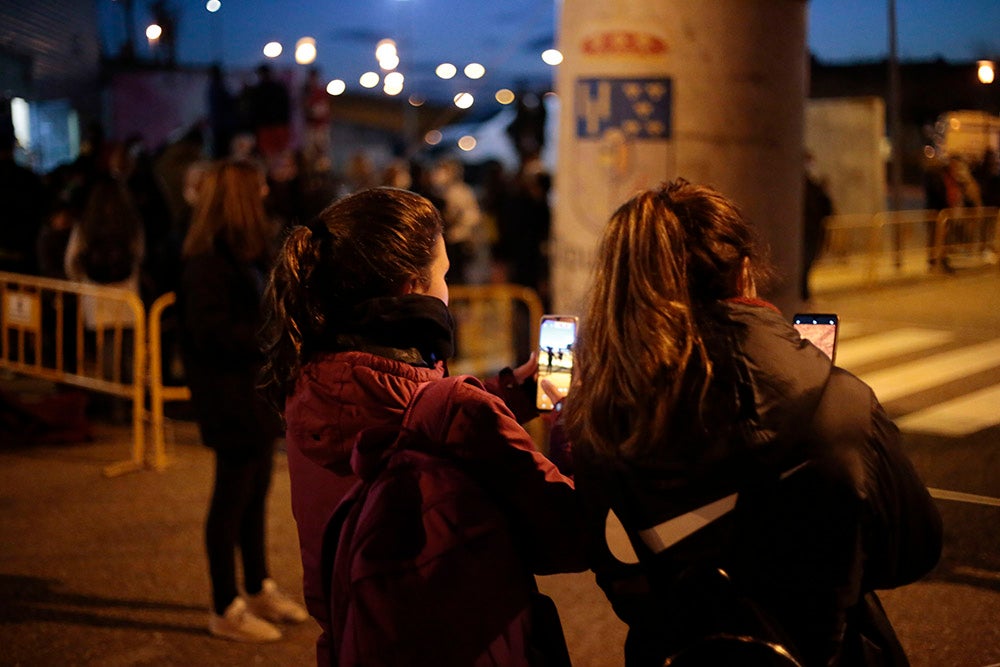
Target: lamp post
[[986, 73], [153, 34], [895, 134]]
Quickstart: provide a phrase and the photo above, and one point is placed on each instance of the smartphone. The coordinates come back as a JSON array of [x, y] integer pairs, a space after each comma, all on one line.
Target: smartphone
[[820, 329], [556, 339]]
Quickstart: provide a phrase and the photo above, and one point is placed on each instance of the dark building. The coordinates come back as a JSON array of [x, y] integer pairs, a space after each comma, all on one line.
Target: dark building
[[50, 57]]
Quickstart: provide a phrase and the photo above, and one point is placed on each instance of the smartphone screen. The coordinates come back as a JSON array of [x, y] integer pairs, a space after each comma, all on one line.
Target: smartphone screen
[[820, 329], [556, 339]]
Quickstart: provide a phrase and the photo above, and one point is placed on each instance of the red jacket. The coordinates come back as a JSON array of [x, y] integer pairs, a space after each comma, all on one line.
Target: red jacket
[[340, 395]]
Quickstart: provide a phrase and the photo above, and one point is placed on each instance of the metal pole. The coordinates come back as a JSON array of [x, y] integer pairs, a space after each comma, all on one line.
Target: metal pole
[[896, 165], [128, 49]]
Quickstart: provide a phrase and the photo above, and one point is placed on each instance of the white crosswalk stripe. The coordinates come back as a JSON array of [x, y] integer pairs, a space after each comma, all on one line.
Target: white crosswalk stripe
[[959, 416], [860, 351], [955, 417]]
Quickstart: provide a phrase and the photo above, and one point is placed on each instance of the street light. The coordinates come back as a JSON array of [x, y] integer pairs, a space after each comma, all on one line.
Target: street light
[[446, 70], [305, 51], [474, 71], [986, 71], [552, 57]]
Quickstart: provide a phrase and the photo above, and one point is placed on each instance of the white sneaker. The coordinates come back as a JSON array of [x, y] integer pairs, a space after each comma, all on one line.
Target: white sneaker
[[275, 606], [240, 624]]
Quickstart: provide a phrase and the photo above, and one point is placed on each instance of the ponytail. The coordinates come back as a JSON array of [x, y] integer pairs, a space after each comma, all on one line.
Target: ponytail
[[290, 315], [364, 246]]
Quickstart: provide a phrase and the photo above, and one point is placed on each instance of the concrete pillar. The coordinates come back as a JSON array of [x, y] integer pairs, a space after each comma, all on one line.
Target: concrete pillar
[[713, 91]]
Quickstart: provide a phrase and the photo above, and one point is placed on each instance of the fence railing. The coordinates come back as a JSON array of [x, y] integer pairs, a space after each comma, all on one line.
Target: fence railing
[[89, 336], [160, 393], [866, 248], [495, 325]]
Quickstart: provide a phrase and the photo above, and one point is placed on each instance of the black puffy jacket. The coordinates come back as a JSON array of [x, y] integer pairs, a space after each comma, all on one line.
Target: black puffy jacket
[[824, 506]]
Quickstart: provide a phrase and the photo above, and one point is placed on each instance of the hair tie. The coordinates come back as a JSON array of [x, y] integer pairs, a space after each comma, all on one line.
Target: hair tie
[[668, 189], [319, 229]]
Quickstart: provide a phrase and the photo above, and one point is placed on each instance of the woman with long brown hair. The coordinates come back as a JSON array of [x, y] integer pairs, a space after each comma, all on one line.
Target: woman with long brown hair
[[722, 441], [226, 256]]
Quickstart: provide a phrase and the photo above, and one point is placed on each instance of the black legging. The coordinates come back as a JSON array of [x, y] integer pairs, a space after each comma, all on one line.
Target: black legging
[[236, 518]]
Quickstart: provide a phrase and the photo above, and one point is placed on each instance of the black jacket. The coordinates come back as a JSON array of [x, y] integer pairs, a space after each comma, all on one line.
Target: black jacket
[[809, 548], [219, 313]]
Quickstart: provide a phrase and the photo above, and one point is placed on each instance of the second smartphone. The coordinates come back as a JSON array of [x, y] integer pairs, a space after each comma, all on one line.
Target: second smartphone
[[556, 340], [820, 329]]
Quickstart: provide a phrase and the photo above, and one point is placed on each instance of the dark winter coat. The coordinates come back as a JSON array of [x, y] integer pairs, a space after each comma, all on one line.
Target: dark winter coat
[[219, 317], [809, 548], [508, 492]]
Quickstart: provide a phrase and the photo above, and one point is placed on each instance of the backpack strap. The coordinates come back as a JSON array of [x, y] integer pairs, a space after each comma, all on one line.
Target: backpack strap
[[664, 535]]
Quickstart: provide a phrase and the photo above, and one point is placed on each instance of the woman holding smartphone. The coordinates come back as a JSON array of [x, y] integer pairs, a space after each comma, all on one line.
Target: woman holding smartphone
[[359, 322], [724, 442]]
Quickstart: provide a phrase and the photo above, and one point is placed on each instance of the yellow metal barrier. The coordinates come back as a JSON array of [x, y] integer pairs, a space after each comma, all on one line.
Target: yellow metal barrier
[[863, 248], [494, 324], [158, 392], [969, 232], [34, 313], [492, 321]]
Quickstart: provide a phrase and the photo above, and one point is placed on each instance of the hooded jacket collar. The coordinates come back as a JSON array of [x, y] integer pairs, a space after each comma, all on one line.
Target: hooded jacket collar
[[340, 394]]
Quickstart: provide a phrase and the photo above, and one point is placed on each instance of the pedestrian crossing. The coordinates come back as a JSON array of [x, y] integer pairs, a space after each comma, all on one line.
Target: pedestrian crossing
[[902, 362]]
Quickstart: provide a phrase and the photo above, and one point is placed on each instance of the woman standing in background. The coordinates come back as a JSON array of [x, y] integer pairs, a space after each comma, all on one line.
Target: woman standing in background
[[226, 256]]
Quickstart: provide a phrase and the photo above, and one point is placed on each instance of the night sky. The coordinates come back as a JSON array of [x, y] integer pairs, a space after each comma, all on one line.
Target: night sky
[[507, 36]]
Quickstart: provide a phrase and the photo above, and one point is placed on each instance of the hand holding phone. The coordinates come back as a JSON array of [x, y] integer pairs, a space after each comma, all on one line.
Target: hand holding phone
[[820, 329], [556, 339]]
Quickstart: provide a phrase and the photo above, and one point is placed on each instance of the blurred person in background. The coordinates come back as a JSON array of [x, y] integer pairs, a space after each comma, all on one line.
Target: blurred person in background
[[525, 226], [130, 163], [468, 247], [493, 191], [271, 114], [735, 455], [360, 173], [816, 206], [171, 169], [988, 176], [22, 202], [316, 115], [223, 114], [106, 247], [226, 256], [397, 175]]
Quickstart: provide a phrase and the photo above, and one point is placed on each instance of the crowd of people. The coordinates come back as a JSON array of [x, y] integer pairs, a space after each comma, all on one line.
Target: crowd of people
[[497, 221]]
